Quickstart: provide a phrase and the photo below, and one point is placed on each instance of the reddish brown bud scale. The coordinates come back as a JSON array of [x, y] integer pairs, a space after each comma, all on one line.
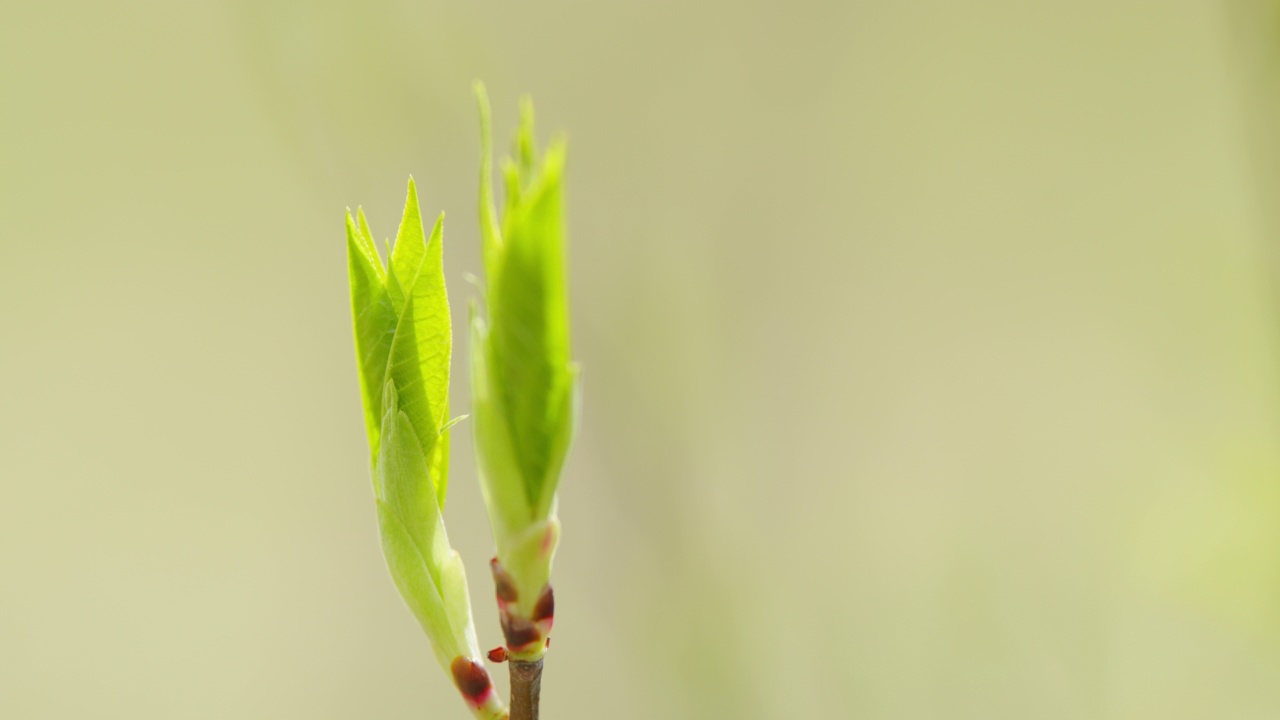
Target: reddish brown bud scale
[[471, 679], [546, 606], [519, 632], [503, 583], [498, 654]]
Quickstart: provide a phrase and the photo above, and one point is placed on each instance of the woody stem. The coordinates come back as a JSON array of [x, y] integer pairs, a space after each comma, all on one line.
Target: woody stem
[[526, 688]]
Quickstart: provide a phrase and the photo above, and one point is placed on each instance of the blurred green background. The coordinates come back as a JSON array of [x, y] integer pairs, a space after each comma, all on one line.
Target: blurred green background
[[931, 354]]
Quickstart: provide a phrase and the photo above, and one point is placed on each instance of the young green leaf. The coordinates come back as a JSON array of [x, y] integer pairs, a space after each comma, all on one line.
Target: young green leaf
[[529, 336], [402, 328], [524, 382], [374, 320], [367, 237], [404, 346], [490, 240], [407, 253], [413, 534], [420, 354], [502, 483], [403, 484]]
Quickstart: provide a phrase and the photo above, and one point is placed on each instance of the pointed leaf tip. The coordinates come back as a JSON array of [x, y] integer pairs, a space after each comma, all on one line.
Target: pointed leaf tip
[[410, 245]]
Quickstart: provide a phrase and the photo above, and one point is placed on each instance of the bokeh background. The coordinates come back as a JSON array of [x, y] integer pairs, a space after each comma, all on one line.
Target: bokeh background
[[931, 354]]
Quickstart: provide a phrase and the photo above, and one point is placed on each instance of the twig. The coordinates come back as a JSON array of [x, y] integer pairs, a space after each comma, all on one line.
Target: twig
[[526, 689]]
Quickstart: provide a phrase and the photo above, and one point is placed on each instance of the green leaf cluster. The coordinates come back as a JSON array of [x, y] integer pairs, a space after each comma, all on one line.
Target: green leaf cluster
[[403, 344], [525, 388], [524, 381]]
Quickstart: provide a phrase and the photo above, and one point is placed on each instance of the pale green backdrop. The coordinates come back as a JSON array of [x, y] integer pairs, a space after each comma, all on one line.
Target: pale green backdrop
[[931, 354]]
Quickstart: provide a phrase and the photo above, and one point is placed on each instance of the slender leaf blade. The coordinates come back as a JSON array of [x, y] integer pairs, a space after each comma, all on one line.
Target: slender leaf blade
[[410, 246], [529, 333], [374, 320], [434, 335], [409, 570], [501, 479], [564, 427], [371, 247], [421, 351], [491, 240]]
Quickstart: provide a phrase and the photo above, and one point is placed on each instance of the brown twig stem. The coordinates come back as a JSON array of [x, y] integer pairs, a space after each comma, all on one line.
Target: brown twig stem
[[526, 689]]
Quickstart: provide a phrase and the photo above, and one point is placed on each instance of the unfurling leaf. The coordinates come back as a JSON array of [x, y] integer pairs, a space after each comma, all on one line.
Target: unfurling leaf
[[404, 346], [524, 381]]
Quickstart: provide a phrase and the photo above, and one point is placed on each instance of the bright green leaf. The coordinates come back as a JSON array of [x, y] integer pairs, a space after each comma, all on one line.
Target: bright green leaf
[[490, 240], [564, 427], [369, 243], [524, 383], [501, 480], [405, 485], [529, 348], [414, 539], [525, 148], [404, 345], [374, 321], [420, 354], [409, 570], [439, 462], [410, 247]]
